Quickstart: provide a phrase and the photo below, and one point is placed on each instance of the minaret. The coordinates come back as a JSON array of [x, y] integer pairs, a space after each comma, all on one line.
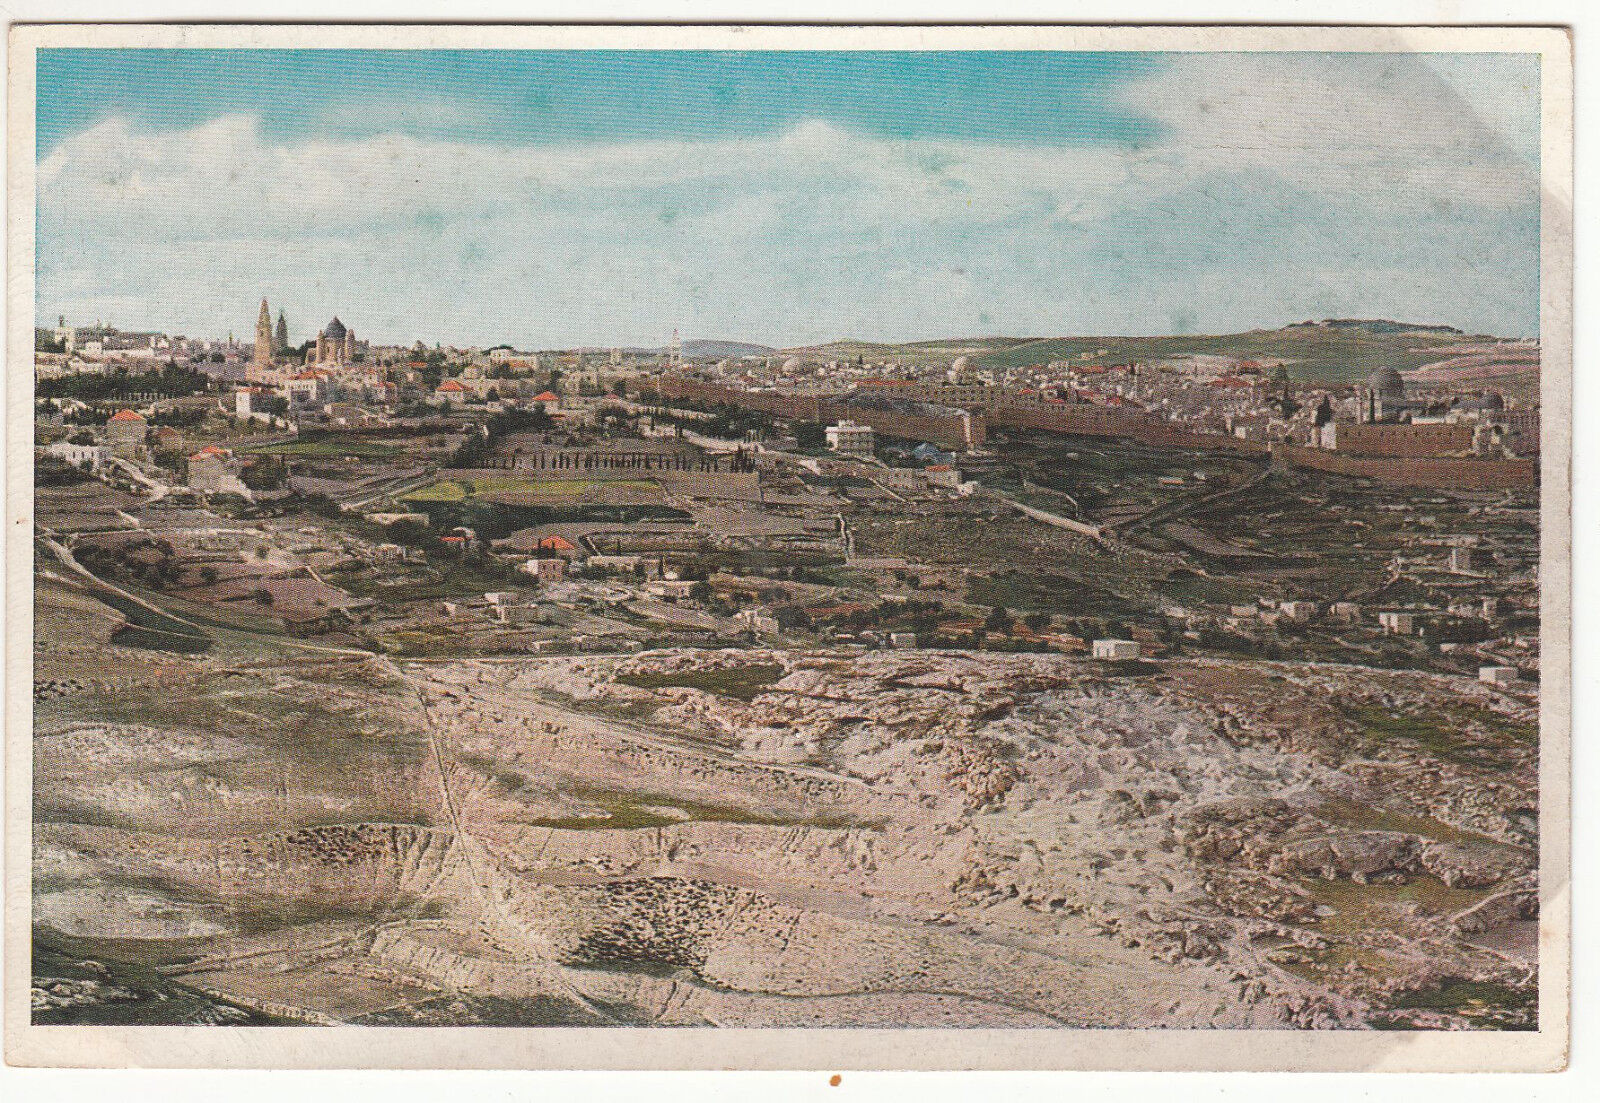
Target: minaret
[[264, 335], [280, 344]]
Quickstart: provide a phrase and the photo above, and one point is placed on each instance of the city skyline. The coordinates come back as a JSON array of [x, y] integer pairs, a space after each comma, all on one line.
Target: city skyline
[[587, 200]]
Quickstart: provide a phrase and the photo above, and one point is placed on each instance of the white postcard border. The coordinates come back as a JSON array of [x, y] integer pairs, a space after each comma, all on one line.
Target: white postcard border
[[553, 1047]]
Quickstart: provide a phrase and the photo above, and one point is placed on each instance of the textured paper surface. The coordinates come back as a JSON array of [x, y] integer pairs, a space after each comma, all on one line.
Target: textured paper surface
[[835, 1048]]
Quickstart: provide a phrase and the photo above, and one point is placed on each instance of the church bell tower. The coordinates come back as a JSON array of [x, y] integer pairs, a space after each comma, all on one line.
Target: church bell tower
[[264, 349]]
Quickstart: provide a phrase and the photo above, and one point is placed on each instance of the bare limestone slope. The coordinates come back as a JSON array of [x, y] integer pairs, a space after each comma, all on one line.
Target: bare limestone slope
[[884, 838]]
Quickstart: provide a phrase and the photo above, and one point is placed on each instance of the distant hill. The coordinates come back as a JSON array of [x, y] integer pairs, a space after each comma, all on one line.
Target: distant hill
[[1315, 352], [849, 348], [1379, 325], [725, 349], [1337, 350], [846, 349], [706, 349]]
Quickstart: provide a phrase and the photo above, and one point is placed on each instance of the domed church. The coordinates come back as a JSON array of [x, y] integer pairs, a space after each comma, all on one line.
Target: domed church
[[335, 345], [1383, 397]]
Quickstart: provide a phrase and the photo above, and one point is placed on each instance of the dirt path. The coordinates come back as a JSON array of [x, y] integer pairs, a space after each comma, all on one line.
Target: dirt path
[[477, 857]]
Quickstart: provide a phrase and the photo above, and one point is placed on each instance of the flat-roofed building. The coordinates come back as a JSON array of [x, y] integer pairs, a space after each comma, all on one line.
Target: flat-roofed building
[[91, 456], [1396, 623], [760, 621], [850, 438], [1118, 650], [546, 569]]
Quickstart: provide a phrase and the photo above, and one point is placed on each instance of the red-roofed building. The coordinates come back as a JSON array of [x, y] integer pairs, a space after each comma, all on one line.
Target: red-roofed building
[[547, 396], [125, 431], [450, 390], [558, 545]]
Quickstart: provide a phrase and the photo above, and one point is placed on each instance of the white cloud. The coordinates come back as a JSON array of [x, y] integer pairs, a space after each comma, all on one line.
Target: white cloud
[[1397, 127], [1281, 175]]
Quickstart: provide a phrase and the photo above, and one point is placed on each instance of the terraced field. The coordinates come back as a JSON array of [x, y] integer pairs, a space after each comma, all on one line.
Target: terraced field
[[533, 490]]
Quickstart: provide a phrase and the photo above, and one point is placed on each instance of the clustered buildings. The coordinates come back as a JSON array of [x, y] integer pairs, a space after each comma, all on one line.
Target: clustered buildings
[[1205, 400], [336, 380], [1211, 402], [658, 461]]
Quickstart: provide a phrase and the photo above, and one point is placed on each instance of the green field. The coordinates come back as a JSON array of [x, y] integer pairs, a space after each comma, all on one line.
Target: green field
[[619, 809], [1445, 736], [445, 490], [494, 484], [742, 683], [324, 448], [147, 996], [1043, 592]]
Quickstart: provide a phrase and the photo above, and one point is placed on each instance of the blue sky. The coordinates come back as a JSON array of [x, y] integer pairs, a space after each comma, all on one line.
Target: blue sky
[[557, 198], [526, 97]]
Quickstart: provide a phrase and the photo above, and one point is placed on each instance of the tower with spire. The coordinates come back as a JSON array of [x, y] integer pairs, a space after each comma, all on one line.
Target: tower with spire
[[263, 353], [280, 342]]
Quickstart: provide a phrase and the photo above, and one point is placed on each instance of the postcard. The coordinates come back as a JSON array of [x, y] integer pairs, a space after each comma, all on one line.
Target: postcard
[[894, 547]]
